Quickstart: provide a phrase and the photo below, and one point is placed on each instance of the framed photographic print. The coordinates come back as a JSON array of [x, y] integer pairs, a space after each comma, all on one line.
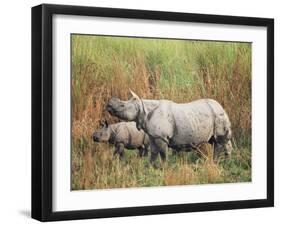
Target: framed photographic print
[[145, 112]]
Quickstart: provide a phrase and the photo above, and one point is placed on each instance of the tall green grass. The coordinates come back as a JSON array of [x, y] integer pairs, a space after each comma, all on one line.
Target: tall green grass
[[179, 70]]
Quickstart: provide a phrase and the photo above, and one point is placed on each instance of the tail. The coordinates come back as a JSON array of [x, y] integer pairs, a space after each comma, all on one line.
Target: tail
[[233, 142]]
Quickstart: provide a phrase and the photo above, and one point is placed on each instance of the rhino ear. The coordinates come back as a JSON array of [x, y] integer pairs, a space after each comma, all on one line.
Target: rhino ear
[[144, 108], [134, 95], [101, 123]]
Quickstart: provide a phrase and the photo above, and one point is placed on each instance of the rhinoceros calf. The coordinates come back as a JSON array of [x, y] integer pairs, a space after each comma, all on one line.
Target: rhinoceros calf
[[123, 135], [174, 125]]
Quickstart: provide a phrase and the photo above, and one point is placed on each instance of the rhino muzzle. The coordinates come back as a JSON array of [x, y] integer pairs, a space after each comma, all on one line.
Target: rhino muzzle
[[95, 138]]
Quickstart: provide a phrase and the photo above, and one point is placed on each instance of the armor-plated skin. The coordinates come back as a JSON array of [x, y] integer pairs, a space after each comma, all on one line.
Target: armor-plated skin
[[169, 124], [123, 135]]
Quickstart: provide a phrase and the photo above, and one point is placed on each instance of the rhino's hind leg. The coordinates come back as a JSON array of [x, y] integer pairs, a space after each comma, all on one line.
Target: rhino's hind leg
[[228, 149], [217, 150]]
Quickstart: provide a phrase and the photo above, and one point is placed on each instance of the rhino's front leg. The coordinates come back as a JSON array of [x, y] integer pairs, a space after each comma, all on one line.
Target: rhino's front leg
[[119, 149], [153, 156], [158, 146], [143, 151], [217, 150]]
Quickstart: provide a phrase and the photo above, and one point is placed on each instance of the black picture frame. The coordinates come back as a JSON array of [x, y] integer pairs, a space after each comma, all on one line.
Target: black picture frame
[[42, 111]]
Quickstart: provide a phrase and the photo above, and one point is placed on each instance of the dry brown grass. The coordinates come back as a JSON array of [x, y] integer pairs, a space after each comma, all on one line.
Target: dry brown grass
[[99, 73]]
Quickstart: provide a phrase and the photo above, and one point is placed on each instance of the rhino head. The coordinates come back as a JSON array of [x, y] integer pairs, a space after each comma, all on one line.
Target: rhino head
[[130, 110], [102, 134]]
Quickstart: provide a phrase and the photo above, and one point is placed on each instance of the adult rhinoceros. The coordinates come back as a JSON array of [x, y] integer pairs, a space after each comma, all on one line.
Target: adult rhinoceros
[[174, 125]]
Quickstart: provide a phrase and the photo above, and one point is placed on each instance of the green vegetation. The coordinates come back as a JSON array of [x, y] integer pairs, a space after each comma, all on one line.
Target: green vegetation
[[179, 70]]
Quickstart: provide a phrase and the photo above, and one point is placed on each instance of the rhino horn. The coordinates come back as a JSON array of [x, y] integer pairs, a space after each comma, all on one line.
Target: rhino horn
[[137, 98], [134, 95]]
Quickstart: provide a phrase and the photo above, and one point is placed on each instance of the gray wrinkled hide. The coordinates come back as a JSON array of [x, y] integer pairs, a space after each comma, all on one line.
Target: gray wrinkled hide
[[178, 126], [123, 135]]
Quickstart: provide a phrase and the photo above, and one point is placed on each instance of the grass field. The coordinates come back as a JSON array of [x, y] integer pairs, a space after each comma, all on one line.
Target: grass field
[[177, 70]]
